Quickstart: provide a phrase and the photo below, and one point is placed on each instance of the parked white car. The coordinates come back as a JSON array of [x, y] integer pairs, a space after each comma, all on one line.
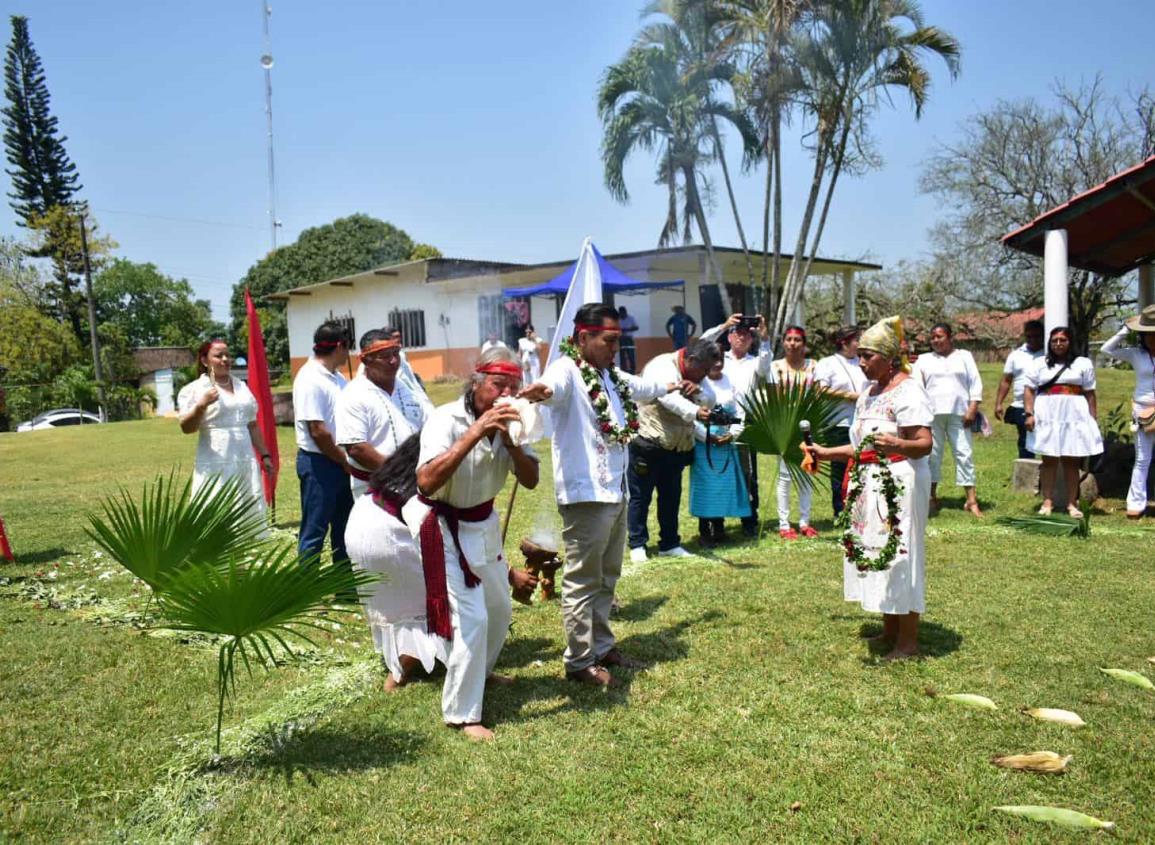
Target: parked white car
[[58, 418]]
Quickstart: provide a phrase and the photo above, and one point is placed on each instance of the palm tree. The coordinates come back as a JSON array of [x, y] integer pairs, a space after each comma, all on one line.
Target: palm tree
[[856, 52], [663, 95]]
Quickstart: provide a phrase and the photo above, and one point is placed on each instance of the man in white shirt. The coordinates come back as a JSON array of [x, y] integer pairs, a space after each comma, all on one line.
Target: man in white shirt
[[746, 371], [629, 349], [376, 412], [841, 375], [325, 496], [466, 456], [593, 409], [492, 341], [664, 446], [1019, 363], [405, 373]]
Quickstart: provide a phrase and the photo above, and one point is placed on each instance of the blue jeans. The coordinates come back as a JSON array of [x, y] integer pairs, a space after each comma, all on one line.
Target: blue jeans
[[325, 504], [1018, 418], [653, 468]]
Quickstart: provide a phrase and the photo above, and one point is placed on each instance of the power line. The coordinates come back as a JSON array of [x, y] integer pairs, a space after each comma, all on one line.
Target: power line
[[178, 219]]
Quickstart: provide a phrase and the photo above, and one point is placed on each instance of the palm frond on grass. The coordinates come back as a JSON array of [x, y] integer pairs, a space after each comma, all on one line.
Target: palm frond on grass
[[1055, 525], [171, 527], [257, 606], [773, 413]]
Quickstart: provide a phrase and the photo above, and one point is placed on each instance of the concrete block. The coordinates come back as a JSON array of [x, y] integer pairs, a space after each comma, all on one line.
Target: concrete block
[[1025, 476]]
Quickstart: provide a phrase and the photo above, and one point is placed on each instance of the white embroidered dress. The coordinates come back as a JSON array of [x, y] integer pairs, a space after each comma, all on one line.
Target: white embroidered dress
[[1064, 426], [224, 446], [900, 589]]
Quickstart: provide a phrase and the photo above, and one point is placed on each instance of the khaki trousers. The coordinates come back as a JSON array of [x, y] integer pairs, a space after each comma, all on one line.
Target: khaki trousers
[[595, 541]]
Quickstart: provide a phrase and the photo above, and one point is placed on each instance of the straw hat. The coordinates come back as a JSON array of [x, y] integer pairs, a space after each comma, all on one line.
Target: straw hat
[[1145, 322]]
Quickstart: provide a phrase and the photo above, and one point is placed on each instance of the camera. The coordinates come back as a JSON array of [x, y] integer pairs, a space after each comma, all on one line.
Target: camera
[[719, 416], [749, 323]]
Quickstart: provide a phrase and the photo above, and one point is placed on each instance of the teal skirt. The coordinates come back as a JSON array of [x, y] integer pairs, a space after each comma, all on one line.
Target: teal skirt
[[718, 490]]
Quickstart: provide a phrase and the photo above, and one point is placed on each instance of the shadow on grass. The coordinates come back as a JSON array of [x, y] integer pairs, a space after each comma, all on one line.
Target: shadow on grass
[[46, 556], [324, 749], [639, 610], [934, 640], [520, 651], [513, 704]]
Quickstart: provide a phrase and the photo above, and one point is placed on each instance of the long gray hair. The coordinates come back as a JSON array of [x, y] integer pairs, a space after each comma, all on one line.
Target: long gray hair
[[493, 355]]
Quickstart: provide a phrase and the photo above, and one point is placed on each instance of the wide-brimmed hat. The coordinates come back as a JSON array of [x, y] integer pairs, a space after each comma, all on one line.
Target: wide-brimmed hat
[[1144, 322]]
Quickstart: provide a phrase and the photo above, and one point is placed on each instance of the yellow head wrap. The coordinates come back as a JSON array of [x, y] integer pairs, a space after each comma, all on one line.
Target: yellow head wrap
[[885, 337]]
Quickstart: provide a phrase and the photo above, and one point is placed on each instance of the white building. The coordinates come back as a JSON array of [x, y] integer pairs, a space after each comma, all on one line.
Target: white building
[[446, 307]]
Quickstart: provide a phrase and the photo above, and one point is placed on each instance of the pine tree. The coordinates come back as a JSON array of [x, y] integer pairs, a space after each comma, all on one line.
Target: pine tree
[[42, 174]]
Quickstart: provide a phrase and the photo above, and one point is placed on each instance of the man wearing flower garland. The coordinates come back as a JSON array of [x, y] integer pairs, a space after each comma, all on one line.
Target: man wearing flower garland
[[594, 414]]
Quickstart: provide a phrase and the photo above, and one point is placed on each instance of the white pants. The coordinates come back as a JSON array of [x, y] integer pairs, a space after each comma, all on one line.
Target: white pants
[[949, 428], [481, 617], [1137, 495], [805, 494]]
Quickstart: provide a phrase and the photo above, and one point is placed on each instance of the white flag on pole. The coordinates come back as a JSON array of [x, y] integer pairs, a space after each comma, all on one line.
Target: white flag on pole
[[585, 286]]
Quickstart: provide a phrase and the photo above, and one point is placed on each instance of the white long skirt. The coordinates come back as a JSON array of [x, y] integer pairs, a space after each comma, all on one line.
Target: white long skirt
[[395, 606], [1064, 428], [900, 589]]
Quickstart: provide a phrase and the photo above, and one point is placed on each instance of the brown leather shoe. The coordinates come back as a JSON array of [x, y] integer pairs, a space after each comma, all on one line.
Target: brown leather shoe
[[613, 657], [594, 676]]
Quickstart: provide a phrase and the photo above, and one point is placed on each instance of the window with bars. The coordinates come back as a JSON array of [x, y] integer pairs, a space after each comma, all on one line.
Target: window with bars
[[348, 324], [412, 325]]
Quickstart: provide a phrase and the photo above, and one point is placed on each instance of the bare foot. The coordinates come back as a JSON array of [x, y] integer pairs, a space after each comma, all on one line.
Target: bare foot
[[901, 654], [478, 733], [499, 681], [392, 684], [974, 508]]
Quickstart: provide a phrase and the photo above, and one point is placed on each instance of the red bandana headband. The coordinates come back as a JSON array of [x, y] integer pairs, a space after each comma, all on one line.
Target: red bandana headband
[[796, 331], [380, 346], [587, 327], [501, 368]]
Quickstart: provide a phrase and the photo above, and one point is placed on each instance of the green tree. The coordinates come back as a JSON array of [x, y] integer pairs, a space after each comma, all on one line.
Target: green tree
[[56, 235], [666, 94], [34, 348], [150, 308], [348, 245], [42, 174]]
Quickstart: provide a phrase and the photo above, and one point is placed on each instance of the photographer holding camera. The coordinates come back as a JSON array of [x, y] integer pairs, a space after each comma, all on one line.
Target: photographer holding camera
[[744, 369], [717, 484]]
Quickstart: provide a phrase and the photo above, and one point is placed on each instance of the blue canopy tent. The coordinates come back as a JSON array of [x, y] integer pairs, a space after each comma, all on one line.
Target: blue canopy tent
[[613, 281]]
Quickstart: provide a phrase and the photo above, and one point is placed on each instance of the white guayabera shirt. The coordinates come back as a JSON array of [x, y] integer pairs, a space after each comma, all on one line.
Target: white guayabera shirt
[[951, 381], [367, 414], [586, 466]]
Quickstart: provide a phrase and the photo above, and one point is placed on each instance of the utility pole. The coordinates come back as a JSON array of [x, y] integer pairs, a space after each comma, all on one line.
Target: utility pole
[[267, 64], [97, 370]]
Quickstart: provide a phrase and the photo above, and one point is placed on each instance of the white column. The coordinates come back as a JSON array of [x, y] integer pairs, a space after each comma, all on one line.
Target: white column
[[849, 306], [1146, 285], [1055, 278]]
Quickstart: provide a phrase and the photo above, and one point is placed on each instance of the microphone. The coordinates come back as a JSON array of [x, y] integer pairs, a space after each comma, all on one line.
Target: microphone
[[804, 427]]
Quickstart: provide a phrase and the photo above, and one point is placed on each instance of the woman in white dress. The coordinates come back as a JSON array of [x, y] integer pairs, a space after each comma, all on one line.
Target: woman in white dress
[[1060, 407], [529, 351], [896, 412], [223, 411], [793, 368], [955, 388], [1141, 357], [378, 540]]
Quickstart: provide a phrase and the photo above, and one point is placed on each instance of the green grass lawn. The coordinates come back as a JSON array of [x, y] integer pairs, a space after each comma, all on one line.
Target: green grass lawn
[[761, 693]]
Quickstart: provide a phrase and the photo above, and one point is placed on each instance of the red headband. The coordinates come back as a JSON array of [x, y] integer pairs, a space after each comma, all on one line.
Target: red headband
[[586, 327], [501, 368], [796, 331], [380, 346]]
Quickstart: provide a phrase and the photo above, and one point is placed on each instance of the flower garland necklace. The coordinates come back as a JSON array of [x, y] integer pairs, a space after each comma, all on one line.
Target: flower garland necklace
[[601, 403], [891, 492]]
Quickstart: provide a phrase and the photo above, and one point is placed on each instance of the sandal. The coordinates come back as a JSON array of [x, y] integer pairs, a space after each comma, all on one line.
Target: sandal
[[1074, 512], [1045, 510]]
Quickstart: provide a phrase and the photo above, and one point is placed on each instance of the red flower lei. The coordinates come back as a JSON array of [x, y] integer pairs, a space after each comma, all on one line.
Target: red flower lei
[[601, 403]]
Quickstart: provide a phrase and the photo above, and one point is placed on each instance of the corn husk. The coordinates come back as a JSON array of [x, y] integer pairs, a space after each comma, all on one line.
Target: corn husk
[[980, 702], [1129, 677], [1052, 714], [1058, 815], [1043, 762]]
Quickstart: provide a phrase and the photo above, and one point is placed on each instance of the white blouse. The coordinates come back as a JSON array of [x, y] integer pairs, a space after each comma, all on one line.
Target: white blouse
[[951, 381], [1081, 373], [1141, 361]]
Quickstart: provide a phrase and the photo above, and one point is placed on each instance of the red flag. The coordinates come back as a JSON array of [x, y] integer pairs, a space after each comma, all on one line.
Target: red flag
[[259, 385], [5, 549]]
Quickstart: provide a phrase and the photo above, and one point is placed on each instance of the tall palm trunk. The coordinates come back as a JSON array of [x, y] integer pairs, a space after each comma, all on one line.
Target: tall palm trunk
[[699, 213], [776, 269], [768, 304], [733, 202]]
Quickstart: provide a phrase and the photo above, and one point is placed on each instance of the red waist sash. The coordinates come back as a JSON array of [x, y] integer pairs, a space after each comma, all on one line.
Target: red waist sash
[[433, 559], [357, 473], [1063, 390], [867, 457], [390, 505]]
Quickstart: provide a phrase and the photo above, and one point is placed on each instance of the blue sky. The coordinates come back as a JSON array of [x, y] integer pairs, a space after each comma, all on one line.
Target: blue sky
[[470, 125]]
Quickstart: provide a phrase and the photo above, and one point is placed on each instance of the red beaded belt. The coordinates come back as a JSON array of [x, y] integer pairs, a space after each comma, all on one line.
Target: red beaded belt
[[868, 457], [1063, 390], [433, 558]]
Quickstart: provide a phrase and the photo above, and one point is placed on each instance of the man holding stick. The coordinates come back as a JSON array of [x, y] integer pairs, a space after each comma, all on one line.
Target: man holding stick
[[594, 414], [466, 455]]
